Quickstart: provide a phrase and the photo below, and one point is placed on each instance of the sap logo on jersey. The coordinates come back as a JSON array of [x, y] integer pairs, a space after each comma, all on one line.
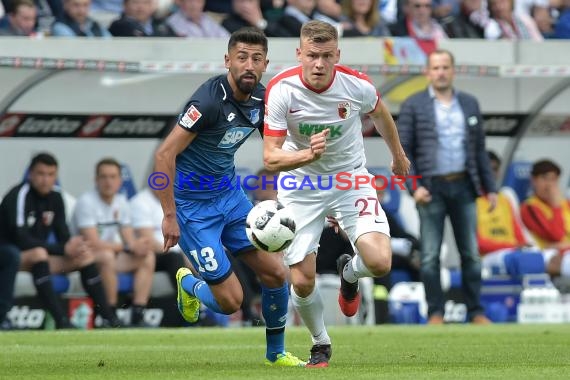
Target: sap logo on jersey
[[234, 135]]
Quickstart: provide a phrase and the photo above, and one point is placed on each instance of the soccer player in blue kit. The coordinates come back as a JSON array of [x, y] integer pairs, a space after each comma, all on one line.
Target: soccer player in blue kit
[[205, 209]]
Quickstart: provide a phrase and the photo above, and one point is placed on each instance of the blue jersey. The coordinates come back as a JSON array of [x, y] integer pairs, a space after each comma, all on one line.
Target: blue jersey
[[206, 167]]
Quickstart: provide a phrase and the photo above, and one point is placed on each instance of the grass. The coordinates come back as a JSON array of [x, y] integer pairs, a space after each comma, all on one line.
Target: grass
[[383, 352]]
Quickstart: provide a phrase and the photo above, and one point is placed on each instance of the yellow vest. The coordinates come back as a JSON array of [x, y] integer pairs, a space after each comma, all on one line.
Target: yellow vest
[[497, 226]]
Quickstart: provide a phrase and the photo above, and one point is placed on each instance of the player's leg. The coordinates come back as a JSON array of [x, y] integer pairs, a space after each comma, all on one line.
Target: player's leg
[[274, 301], [106, 260], [272, 275], [463, 218], [35, 260], [9, 265], [143, 270], [362, 218], [308, 209], [432, 222], [90, 280], [201, 224]]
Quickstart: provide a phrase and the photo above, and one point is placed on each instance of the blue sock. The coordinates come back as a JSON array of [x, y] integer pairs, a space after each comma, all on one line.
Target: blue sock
[[274, 304], [201, 290]]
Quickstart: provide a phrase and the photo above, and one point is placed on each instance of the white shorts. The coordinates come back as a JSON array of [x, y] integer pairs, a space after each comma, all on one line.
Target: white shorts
[[356, 209]]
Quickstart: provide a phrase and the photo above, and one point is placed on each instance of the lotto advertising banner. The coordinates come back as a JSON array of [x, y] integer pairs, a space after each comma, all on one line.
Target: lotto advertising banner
[[27, 313], [84, 126], [157, 126]]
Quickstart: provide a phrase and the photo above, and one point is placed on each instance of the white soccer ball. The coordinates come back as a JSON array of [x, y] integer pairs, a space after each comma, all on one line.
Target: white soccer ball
[[270, 226]]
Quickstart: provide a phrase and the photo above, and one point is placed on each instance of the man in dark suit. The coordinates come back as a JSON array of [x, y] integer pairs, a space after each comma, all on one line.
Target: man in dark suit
[[441, 130]]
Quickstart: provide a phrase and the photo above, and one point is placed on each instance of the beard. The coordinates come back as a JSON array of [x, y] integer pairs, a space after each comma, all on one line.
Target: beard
[[246, 87]]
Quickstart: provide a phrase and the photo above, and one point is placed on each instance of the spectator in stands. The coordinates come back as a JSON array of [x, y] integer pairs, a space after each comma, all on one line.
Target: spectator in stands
[[419, 24], [547, 215], [114, 7], [499, 230], [9, 264], [137, 20], [562, 27], [389, 10], [330, 8], [362, 18], [219, 6], [105, 11], [513, 25], [298, 12], [445, 8], [473, 21], [76, 21], [191, 21], [146, 217], [102, 216], [527, 6], [441, 130], [22, 19], [248, 13], [272, 9], [32, 217], [544, 21], [48, 12]]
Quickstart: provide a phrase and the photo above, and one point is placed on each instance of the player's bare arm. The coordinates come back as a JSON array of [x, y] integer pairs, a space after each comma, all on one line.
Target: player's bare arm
[[165, 162], [386, 126], [277, 159]]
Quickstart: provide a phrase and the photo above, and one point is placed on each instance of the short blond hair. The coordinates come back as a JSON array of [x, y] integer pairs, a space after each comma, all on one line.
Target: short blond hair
[[319, 31]]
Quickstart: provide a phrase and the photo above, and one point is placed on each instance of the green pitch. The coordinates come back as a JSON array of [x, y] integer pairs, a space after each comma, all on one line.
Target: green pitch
[[384, 352]]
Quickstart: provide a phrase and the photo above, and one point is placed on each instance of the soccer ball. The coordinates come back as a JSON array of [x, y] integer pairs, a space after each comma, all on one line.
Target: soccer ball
[[270, 226]]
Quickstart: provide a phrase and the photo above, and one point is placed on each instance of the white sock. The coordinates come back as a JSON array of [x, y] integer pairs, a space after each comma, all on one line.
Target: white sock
[[311, 311], [355, 269]]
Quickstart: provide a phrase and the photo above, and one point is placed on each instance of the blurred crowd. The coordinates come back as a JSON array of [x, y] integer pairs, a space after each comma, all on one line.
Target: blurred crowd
[[421, 19]]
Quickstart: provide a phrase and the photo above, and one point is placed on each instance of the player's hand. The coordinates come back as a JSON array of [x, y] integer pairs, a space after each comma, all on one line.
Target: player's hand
[[76, 247], [422, 195], [171, 232], [401, 165], [319, 143]]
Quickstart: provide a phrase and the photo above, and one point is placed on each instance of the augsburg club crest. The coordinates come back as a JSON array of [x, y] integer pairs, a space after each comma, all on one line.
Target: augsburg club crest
[[344, 110]]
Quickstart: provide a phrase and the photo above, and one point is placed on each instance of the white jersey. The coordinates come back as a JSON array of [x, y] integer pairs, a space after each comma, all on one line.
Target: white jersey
[[92, 211], [146, 212], [296, 110]]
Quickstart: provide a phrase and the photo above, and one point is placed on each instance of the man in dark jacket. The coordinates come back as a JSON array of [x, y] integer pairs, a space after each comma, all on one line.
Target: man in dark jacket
[[32, 218], [138, 21], [469, 23], [441, 130], [248, 13]]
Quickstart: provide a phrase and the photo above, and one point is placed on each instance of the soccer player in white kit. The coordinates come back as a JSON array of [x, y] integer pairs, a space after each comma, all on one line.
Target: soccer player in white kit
[[313, 132]]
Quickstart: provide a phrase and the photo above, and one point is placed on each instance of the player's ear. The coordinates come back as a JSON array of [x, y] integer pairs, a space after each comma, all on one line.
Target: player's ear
[[298, 54], [227, 61], [337, 55], [266, 63]]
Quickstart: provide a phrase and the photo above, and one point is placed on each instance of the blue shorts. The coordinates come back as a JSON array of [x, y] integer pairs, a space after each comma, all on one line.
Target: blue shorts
[[209, 227]]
